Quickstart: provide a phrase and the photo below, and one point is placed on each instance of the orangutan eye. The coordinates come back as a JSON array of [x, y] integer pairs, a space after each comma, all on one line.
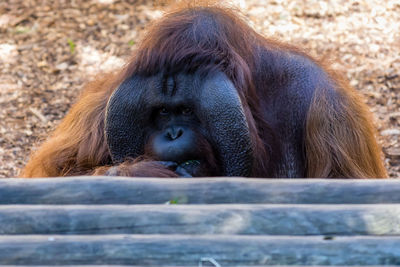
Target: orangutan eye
[[163, 111], [187, 111]]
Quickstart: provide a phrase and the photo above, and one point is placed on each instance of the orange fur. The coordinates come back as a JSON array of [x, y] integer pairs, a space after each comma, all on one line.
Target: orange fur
[[136, 168], [340, 137], [77, 146]]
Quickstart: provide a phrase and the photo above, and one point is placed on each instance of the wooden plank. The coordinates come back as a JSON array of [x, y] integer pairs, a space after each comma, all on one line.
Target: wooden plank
[[286, 219], [188, 250], [116, 190]]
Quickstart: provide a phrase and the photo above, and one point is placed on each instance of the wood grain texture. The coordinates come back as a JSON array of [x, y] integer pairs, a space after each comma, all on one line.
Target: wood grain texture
[[236, 221], [117, 190], [188, 250], [240, 219]]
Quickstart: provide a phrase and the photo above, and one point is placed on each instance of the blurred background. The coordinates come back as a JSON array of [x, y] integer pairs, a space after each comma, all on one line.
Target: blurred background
[[50, 49]]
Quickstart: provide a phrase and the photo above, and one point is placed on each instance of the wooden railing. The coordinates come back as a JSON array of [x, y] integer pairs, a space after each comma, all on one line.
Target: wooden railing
[[191, 222]]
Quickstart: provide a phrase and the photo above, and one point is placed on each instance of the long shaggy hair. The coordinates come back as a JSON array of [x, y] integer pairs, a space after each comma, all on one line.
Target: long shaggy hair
[[339, 139]]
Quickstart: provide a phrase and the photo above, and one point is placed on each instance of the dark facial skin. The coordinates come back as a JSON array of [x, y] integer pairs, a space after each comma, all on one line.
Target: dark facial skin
[[174, 142]]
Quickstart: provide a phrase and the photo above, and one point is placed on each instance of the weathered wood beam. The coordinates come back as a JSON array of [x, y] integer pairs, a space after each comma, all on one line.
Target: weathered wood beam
[[259, 219], [116, 190], [178, 250]]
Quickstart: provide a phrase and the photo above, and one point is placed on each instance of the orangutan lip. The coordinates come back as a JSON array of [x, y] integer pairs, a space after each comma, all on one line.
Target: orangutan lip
[[191, 162]]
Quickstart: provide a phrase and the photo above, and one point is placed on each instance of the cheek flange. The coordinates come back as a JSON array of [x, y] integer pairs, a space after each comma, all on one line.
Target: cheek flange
[[224, 118], [124, 121]]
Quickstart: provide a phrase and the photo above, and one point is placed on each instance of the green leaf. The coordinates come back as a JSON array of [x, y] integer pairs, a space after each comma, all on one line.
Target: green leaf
[[21, 29], [72, 46], [173, 201], [178, 200]]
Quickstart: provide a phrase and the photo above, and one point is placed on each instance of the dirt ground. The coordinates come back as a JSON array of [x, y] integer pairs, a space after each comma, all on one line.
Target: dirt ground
[[49, 49]]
